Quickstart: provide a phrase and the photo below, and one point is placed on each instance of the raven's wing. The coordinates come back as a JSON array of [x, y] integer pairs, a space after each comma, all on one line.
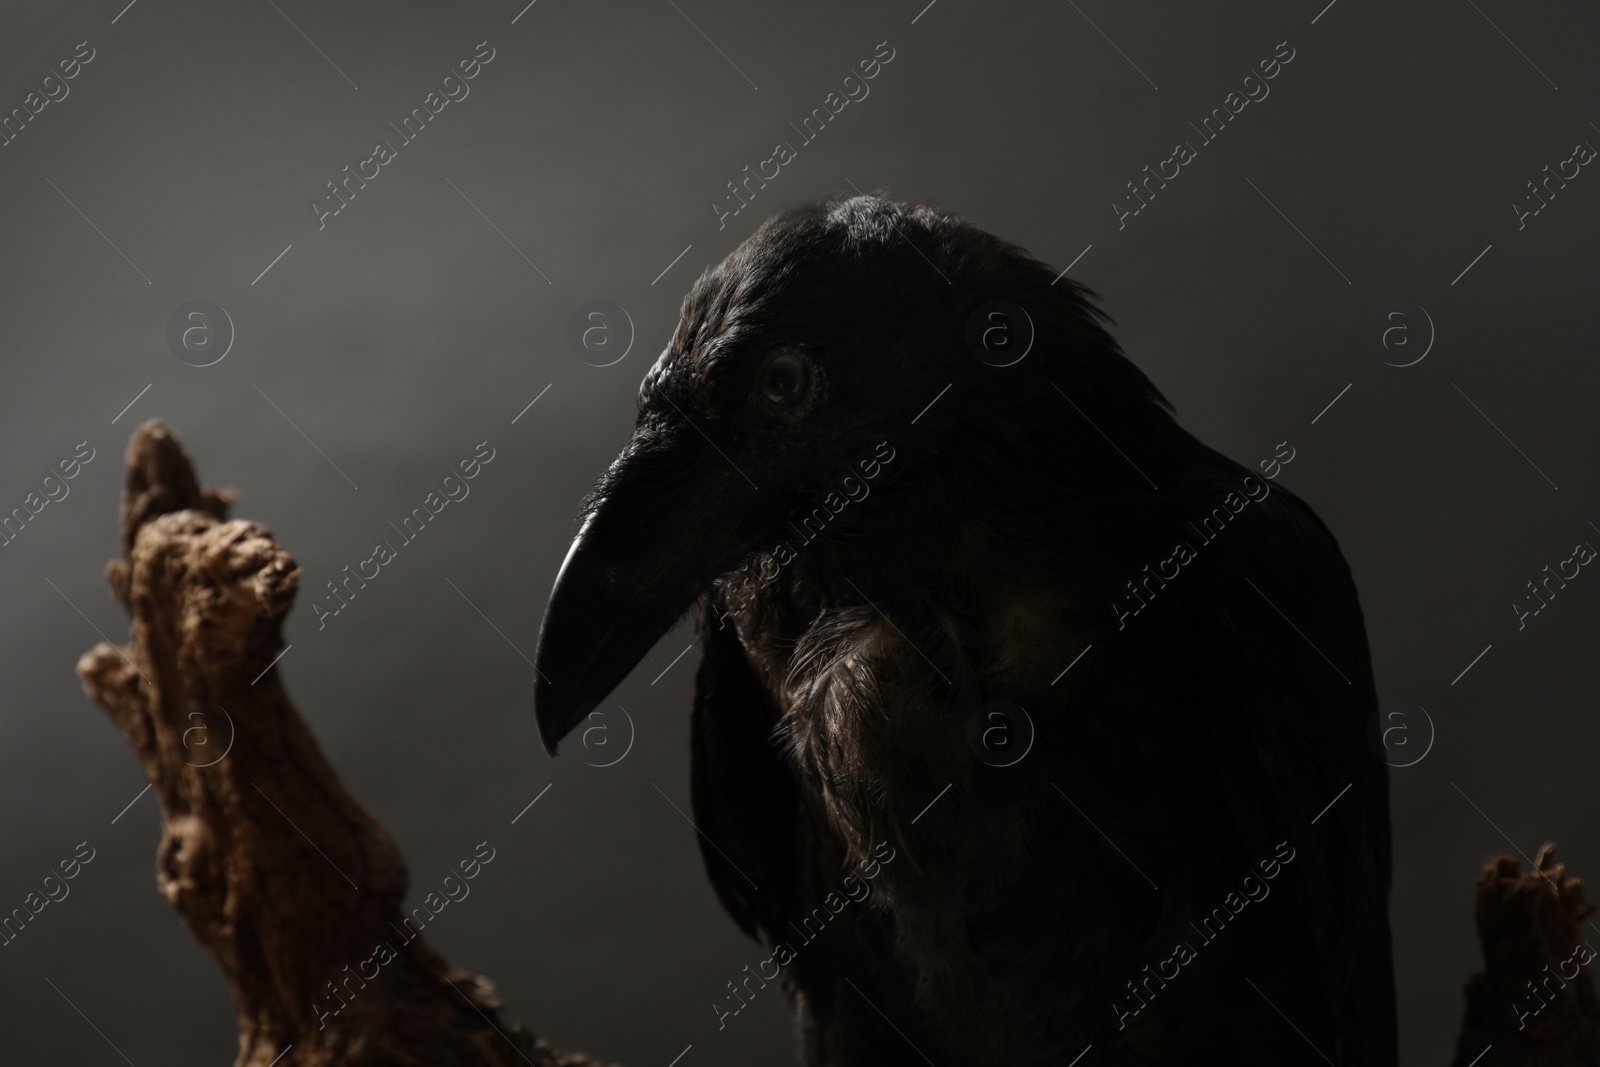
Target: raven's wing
[[1251, 660], [1289, 718], [744, 795]]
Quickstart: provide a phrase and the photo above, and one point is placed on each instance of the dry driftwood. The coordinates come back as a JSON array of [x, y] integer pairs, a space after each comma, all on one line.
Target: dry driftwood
[[275, 869], [1534, 1005], [290, 885]]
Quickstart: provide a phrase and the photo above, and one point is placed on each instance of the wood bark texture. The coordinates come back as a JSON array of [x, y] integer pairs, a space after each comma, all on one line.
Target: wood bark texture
[[275, 869], [291, 885]]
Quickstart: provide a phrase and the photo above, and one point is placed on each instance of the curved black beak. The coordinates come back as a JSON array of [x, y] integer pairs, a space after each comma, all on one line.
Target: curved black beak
[[664, 525]]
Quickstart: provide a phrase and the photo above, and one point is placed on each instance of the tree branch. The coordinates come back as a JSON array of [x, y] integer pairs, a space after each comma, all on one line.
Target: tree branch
[[281, 876]]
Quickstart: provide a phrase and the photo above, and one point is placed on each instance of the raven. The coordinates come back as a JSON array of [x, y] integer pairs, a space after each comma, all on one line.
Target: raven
[[902, 537]]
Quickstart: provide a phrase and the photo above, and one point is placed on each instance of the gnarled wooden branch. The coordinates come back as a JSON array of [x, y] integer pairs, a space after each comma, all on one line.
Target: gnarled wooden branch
[[292, 887], [1534, 1005], [281, 876]]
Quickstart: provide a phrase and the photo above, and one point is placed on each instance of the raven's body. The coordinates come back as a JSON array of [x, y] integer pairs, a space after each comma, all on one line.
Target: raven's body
[[1032, 910]]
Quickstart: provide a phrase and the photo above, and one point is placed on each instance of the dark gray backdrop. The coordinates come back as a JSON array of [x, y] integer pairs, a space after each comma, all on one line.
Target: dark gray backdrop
[[1385, 159]]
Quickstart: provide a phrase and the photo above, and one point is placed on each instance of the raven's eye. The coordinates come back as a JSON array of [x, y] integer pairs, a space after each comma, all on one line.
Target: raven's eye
[[785, 380]]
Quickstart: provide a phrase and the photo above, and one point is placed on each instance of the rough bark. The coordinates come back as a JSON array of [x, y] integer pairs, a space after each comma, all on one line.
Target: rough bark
[[290, 885], [275, 869], [1535, 1003]]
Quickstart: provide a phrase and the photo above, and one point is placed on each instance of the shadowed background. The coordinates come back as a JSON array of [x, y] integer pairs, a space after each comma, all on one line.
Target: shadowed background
[[381, 349]]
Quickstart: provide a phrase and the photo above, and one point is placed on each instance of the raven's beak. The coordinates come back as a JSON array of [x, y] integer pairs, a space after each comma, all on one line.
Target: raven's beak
[[666, 525]]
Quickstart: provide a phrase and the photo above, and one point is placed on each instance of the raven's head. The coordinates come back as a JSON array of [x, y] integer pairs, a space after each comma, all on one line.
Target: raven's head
[[831, 329]]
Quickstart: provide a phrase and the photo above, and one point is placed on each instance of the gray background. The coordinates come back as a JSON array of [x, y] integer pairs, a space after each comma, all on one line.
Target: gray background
[[408, 330]]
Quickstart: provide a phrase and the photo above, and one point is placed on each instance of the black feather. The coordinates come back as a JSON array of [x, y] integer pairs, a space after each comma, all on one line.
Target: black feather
[[844, 660]]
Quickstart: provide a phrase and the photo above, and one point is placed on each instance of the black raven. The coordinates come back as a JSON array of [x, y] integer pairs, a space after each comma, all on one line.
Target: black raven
[[902, 538]]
